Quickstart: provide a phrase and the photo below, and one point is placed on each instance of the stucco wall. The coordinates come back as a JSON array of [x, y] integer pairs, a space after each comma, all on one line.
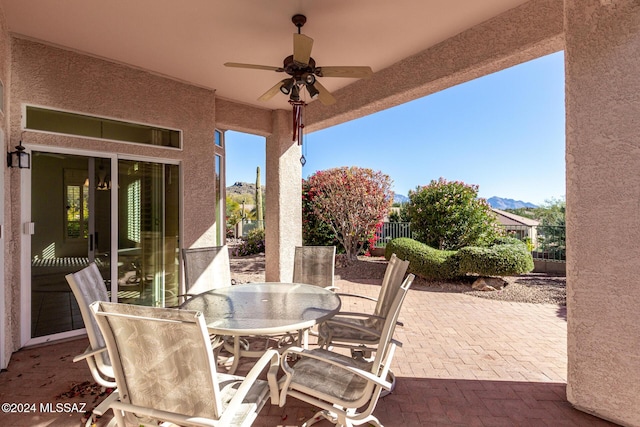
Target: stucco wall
[[603, 182], [5, 270], [283, 214], [57, 78], [60, 79]]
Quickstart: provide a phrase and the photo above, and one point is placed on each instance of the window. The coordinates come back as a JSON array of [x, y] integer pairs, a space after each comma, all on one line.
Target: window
[[218, 138], [133, 211], [76, 204], [96, 127]]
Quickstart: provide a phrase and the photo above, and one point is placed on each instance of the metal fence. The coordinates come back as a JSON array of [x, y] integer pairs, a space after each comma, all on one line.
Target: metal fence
[[392, 230], [544, 241]]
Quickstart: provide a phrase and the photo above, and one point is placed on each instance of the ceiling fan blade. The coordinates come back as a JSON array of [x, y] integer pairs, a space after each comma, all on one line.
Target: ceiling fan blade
[[302, 46], [271, 92], [253, 66], [324, 95], [351, 72]]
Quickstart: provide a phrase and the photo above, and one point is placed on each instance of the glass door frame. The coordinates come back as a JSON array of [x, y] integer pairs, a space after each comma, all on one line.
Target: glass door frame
[[25, 235]]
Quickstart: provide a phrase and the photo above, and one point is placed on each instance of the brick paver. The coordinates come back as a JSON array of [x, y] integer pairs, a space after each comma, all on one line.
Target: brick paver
[[466, 361]]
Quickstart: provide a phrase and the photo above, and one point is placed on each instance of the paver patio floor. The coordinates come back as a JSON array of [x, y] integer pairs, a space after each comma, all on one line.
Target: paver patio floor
[[466, 361]]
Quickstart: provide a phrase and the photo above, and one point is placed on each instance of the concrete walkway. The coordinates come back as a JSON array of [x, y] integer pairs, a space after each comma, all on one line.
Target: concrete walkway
[[466, 361]]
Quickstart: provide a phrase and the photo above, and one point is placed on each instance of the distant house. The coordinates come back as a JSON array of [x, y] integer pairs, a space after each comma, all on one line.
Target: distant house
[[518, 226]]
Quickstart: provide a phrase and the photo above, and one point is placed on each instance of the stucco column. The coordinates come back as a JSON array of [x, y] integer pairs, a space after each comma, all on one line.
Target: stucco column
[[603, 200], [283, 214]]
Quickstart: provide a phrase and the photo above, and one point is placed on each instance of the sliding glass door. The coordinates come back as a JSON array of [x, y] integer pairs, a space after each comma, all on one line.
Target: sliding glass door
[[148, 244], [71, 227], [74, 217]]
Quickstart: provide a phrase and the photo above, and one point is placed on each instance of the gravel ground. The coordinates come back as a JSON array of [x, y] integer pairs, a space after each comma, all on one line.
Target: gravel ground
[[536, 288]]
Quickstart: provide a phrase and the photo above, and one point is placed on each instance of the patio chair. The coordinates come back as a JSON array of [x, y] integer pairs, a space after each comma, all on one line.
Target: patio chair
[[166, 372], [315, 265], [88, 286], [361, 332], [345, 389], [206, 268]]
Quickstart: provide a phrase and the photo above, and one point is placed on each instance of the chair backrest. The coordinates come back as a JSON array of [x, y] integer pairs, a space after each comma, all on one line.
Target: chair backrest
[[393, 275], [88, 286], [380, 367], [206, 268], [162, 359], [314, 265], [390, 323]]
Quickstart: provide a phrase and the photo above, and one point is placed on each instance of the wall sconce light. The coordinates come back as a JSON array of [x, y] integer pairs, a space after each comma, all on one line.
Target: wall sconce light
[[18, 158]]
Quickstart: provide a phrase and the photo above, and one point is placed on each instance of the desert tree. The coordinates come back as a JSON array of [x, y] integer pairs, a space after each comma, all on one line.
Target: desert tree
[[350, 202]]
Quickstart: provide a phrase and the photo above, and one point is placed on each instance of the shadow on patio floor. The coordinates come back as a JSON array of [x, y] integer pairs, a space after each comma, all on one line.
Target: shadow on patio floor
[[466, 361]]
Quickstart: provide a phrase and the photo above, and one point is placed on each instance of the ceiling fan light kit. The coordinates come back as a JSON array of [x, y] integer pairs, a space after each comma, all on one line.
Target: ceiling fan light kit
[[287, 85]]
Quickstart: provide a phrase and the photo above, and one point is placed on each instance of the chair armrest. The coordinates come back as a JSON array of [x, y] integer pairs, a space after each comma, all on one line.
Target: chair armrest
[[162, 415], [357, 296], [106, 403], [362, 315], [89, 352], [270, 357]]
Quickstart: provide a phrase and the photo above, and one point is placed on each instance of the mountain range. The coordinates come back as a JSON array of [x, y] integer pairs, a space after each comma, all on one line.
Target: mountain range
[[399, 198], [502, 203], [242, 188], [494, 202]]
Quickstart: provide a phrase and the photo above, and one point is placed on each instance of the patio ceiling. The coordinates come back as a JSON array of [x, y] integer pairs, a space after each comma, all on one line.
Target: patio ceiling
[[190, 41]]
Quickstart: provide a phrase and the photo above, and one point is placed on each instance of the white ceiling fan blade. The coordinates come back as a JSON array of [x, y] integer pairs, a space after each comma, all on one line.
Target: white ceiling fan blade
[[324, 95], [271, 92], [253, 66], [302, 46], [351, 72]]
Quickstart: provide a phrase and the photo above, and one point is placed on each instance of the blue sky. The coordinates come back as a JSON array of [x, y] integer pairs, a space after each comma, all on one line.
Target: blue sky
[[504, 132]]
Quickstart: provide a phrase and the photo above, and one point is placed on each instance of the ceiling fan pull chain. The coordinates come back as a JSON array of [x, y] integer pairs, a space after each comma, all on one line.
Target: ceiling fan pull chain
[[303, 158]]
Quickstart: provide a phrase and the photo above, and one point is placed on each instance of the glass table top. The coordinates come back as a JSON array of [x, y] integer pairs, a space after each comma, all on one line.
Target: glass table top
[[264, 308]]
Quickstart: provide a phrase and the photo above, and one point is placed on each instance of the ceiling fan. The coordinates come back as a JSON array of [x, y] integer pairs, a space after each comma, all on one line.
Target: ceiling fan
[[303, 70]]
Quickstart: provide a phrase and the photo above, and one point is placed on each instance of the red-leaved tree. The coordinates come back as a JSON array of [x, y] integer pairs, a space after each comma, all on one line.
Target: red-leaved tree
[[351, 201]]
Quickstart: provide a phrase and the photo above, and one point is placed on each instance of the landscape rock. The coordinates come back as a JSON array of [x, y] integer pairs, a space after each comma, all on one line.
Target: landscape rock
[[488, 284]]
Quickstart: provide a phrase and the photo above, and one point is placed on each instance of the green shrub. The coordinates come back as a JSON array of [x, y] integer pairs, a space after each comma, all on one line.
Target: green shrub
[[252, 244], [507, 240], [449, 215], [424, 260], [505, 257]]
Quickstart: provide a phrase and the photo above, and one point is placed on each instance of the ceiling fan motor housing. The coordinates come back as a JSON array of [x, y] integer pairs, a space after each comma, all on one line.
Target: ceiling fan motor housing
[[296, 69]]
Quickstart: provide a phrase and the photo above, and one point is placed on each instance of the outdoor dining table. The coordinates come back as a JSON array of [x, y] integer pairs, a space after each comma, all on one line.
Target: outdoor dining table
[[264, 309]]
